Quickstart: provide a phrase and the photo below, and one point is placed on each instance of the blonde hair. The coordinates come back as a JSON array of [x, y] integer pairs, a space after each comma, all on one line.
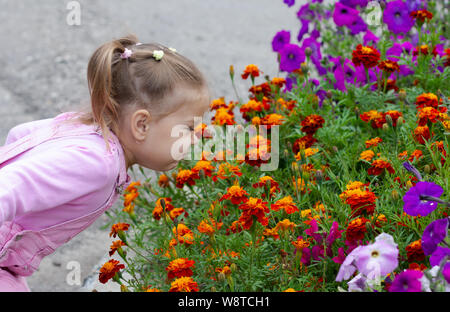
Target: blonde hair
[[139, 81]]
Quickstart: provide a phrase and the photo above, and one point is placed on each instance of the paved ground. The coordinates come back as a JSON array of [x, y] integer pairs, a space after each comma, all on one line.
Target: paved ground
[[43, 64]]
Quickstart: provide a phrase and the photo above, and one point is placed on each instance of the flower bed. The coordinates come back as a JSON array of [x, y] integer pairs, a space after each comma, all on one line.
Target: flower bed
[[359, 200]]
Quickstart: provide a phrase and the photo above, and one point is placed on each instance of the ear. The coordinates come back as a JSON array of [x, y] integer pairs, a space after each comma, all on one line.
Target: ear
[[140, 121]]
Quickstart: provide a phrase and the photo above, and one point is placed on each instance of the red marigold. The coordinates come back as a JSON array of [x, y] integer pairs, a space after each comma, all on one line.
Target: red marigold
[[235, 194], [250, 70], [373, 142], [425, 50], [116, 245], [427, 114], [117, 228], [186, 176], [180, 267], [366, 55], [311, 123], [414, 251], [427, 100], [422, 15], [422, 134], [184, 284], [360, 200], [109, 270], [378, 167], [356, 229], [447, 57], [254, 207], [389, 66], [303, 143], [263, 88]]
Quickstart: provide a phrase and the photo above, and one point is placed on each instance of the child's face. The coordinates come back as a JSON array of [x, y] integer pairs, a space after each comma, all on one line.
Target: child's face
[[159, 137]]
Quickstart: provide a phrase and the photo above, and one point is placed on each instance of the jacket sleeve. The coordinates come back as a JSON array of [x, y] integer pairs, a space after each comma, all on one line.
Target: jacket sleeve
[[24, 129], [52, 178]]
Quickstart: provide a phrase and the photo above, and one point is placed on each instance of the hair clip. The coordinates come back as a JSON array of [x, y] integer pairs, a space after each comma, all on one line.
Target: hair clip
[[158, 54], [126, 54], [173, 50], [138, 44]]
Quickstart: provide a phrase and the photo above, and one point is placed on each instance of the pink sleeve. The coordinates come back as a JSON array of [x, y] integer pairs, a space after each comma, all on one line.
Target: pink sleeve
[[52, 178], [23, 129]]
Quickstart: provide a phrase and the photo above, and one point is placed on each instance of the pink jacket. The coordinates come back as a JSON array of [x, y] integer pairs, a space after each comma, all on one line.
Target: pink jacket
[[54, 183]]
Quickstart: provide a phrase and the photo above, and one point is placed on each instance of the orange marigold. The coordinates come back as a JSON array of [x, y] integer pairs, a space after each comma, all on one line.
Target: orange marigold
[[223, 116], [118, 228], [300, 244], [235, 194], [427, 100], [285, 203], [116, 245], [109, 270], [163, 180], [378, 167], [209, 227], [367, 155], [205, 166], [250, 70], [184, 284], [226, 170], [422, 15], [186, 176], [373, 142], [285, 225], [180, 267], [422, 134]]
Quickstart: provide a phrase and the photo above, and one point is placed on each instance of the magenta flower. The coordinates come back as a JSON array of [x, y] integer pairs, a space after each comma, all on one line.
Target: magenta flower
[[282, 38], [407, 281], [344, 15], [340, 257], [291, 57], [422, 198], [354, 3], [434, 234], [446, 272], [369, 37], [396, 16], [357, 26]]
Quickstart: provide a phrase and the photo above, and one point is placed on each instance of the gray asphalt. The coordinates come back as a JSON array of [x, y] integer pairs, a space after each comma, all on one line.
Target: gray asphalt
[[43, 63]]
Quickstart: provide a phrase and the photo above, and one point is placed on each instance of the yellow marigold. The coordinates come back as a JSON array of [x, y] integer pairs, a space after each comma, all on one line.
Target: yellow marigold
[[367, 155], [446, 125], [256, 120], [226, 270], [272, 119], [130, 197], [184, 284], [285, 225], [204, 165], [290, 290], [278, 81], [175, 212], [251, 106]]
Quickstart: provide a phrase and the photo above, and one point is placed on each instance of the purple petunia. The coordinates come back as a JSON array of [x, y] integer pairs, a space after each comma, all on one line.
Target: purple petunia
[[438, 255], [281, 38], [344, 15], [407, 281], [348, 267], [413, 170], [289, 2], [396, 16], [354, 3], [357, 26], [416, 202], [370, 37], [291, 57], [446, 272], [434, 234]]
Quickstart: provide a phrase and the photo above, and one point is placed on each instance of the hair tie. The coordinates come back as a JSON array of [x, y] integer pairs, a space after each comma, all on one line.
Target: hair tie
[[126, 54], [158, 54]]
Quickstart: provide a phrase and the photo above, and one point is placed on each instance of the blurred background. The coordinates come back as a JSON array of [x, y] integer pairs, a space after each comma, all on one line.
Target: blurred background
[[43, 72]]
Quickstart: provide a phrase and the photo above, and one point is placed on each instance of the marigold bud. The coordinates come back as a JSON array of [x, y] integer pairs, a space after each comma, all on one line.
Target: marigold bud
[[233, 267], [402, 95], [319, 175], [308, 52], [294, 166], [213, 289], [304, 67], [329, 94], [395, 195], [335, 149], [427, 168], [400, 120], [389, 120], [385, 127], [382, 5], [286, 153], [408, 184], [124, 288], [221, 277]]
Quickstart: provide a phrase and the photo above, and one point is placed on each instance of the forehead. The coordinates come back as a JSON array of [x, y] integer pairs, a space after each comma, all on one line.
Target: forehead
[[191, 102]]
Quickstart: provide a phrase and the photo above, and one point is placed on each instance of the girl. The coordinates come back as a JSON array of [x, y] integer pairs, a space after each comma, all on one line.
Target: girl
[[58, 175]]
